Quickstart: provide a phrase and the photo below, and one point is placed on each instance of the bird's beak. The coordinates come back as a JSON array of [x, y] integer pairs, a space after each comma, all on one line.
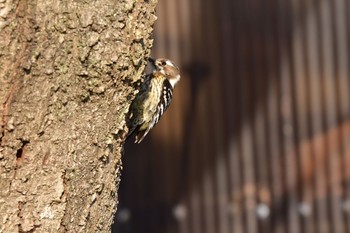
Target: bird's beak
[[152, 61], [151, 65]]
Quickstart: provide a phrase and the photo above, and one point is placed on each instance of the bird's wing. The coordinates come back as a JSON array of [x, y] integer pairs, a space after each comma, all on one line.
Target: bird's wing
[[163, 104]]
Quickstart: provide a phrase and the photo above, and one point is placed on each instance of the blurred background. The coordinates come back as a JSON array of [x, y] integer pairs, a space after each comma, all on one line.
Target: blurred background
[[257, 139]]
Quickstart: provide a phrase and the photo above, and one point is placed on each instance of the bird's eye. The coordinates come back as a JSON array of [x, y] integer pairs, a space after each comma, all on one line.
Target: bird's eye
[[163, 63]]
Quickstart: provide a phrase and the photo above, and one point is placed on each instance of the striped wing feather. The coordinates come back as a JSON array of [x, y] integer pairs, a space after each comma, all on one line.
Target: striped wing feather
[[163, 104]]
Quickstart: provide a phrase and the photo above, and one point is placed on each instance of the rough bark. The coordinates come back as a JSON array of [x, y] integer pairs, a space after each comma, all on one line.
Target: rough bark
[[66, 73]]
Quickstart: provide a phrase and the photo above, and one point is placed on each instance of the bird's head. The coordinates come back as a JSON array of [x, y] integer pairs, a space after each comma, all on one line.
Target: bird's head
[[168, 69]]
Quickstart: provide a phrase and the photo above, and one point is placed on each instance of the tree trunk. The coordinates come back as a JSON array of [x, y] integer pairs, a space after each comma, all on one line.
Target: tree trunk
[[66, 73]]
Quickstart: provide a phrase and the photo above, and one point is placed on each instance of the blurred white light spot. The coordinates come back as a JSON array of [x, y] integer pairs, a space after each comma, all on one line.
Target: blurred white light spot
[[180, 212], [123, 215], [262, 211], [305, 209]]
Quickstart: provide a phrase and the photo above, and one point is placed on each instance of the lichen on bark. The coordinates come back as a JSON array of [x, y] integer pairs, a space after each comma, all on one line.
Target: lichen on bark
[[67, 69]]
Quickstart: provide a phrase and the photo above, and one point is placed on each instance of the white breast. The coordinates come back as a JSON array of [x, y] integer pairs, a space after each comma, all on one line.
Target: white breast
[[174, 81]]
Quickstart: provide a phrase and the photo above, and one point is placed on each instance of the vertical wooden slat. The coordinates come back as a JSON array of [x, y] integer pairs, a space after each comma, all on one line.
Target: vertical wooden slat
[[330, 116], [313, 46], [197, 218], [230, 65], [273, 123], [208, 144], [286, 110], [196, 212], [341, 15], [195, 169], [245, 135], [259, 87], [346, 132], [207, 179], [302, 126]]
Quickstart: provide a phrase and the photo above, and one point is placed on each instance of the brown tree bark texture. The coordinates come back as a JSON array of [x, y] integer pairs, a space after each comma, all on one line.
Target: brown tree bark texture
[[66, 69]]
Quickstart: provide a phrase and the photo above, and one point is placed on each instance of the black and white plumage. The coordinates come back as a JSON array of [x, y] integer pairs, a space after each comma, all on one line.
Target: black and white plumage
[[153, 99]]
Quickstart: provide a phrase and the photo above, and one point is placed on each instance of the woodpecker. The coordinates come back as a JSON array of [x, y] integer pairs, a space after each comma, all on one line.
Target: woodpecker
[[153, 98]]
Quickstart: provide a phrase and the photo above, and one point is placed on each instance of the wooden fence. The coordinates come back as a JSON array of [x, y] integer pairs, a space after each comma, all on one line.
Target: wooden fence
[[257, 139]]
